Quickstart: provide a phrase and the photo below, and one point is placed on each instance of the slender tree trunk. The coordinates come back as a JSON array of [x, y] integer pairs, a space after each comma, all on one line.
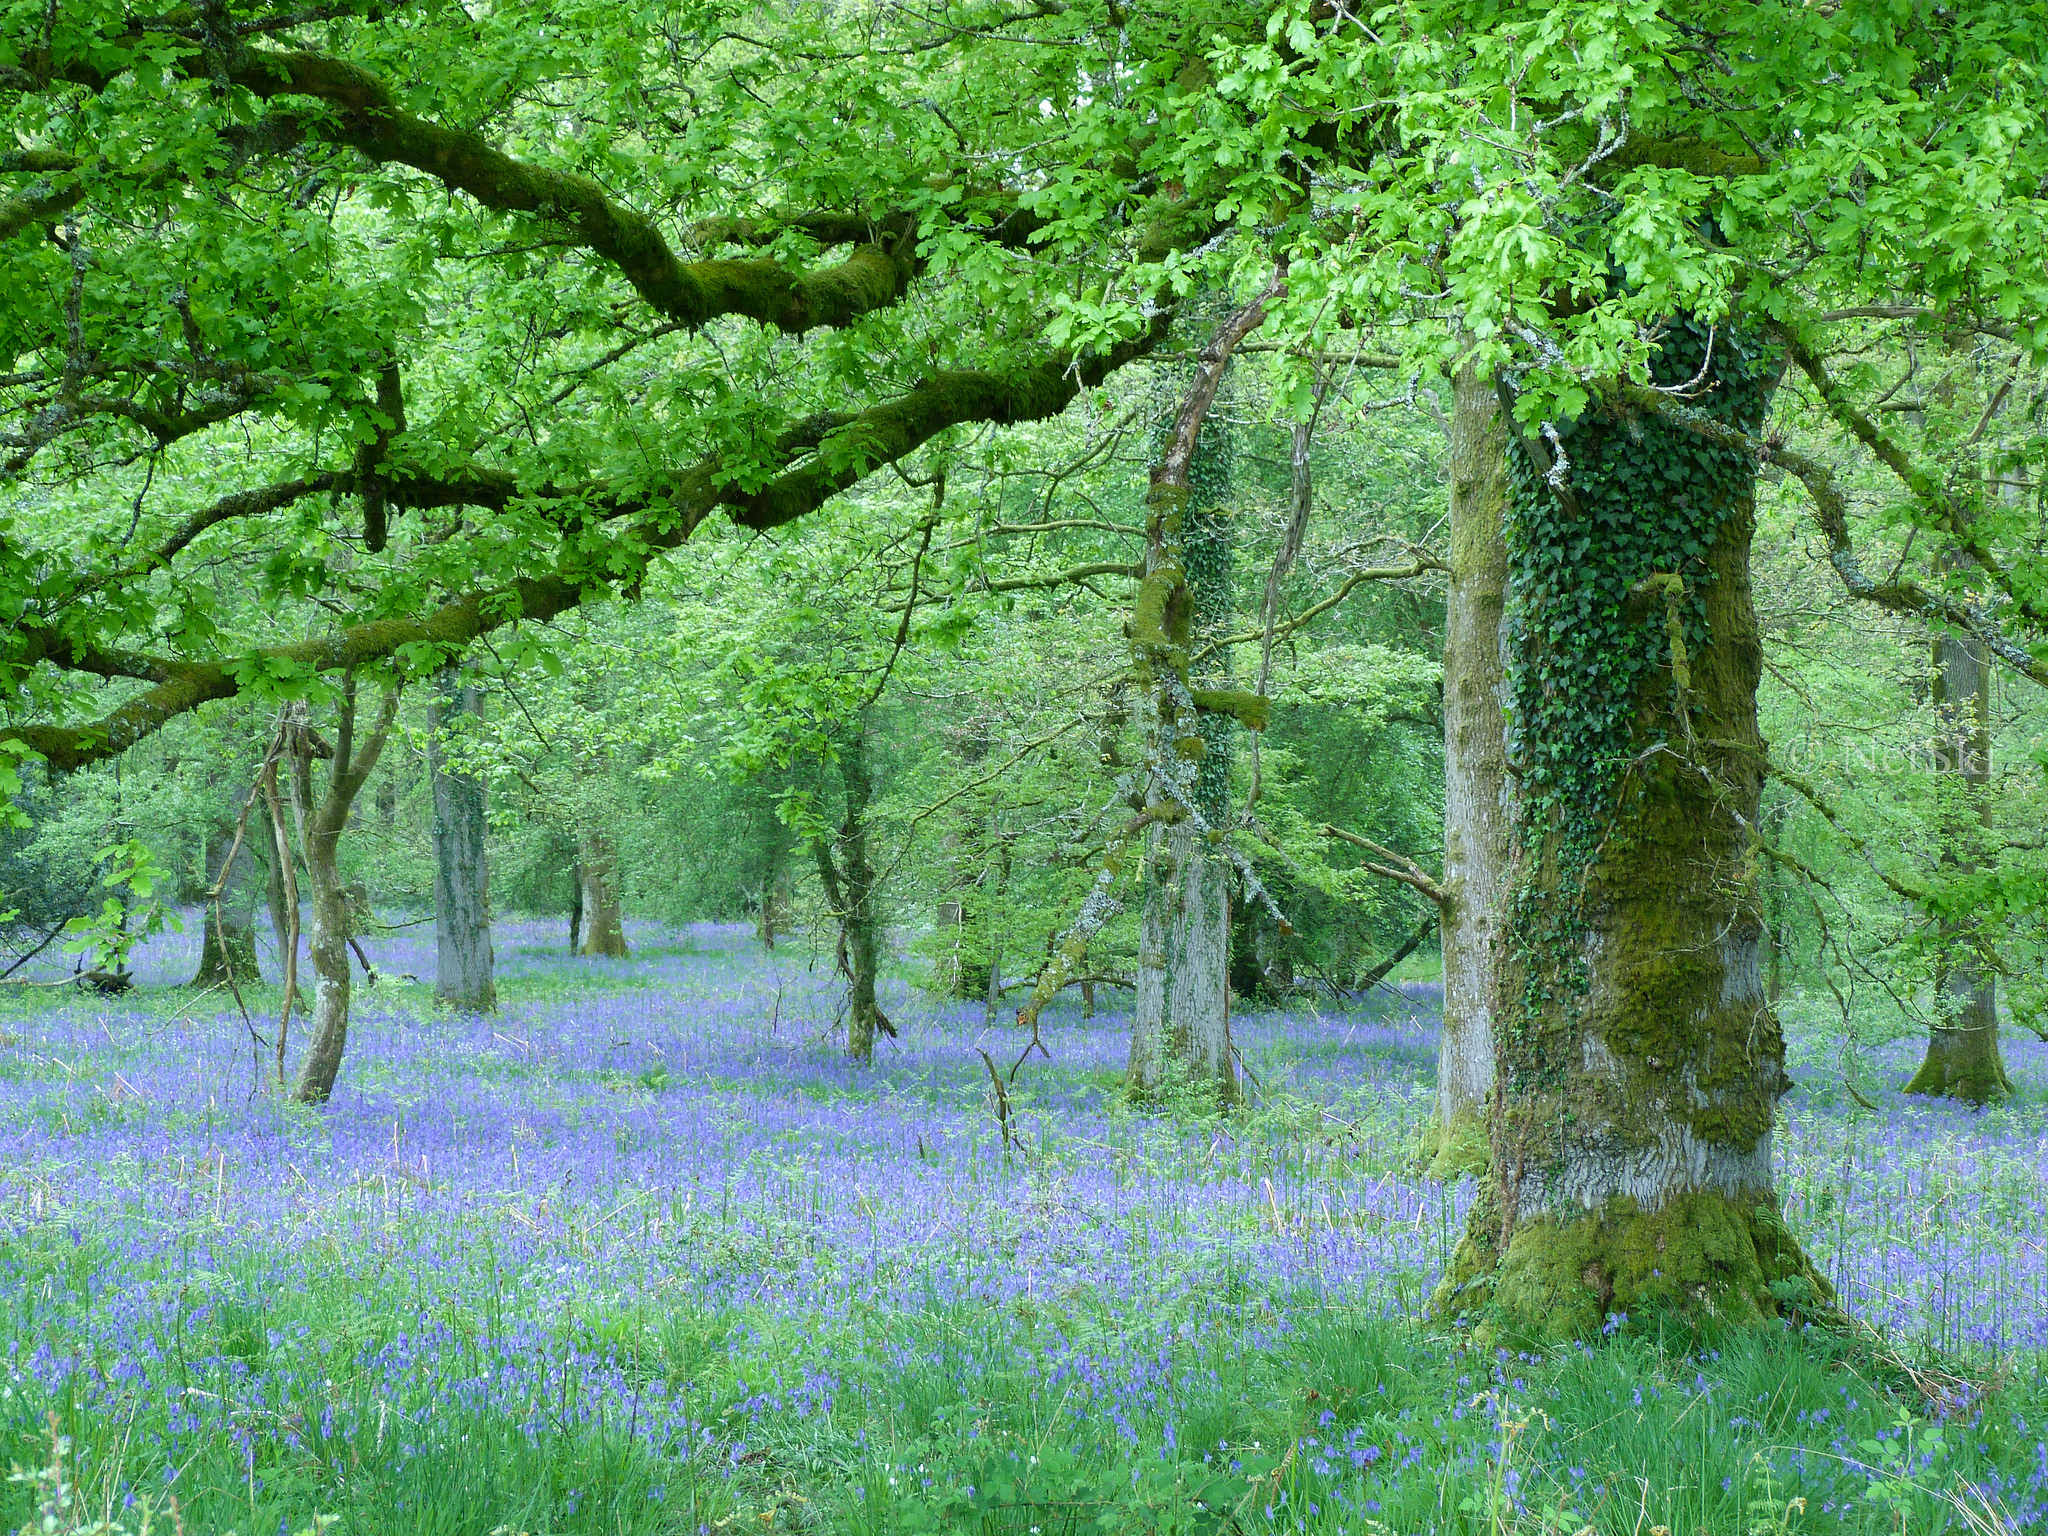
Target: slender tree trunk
[[994, 913], [1478, 801], [1963, 1060], [1639, 1062], [237, 924], [275, 891], [320, 823], [462, 902], [850, 885], [576, 907], [604, 923]]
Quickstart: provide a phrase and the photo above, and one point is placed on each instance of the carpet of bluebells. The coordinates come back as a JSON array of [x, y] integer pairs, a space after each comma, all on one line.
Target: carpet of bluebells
[[643, 1252]]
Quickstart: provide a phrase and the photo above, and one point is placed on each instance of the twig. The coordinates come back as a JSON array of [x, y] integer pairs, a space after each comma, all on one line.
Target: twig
[[45, 944], [1002, 1098]]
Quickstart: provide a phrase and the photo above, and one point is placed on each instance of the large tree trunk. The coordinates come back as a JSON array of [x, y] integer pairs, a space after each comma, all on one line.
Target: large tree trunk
[[1640, 1063], [462, 901], [320, 823], [1180, 1022], [1181, 1031], [1478, 802], [604, 922], [848, 876], [227, 948], [1963, 1059]]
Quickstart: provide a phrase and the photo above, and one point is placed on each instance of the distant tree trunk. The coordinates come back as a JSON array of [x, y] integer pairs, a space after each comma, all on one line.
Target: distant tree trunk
[[575, 906], [320, 822], [1639, 1063], [604, 923], [994, 913], [1963, 1060], [1478, 820], [946, 968], [1774, 908], [237, 919], [1261, 958], [462, 901], [848, 876]]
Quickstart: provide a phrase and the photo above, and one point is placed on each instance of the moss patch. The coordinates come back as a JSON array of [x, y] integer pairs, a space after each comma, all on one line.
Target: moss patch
[[1708, 1256]]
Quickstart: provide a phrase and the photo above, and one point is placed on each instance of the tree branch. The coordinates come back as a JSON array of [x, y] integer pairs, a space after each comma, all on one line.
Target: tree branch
[[865, 441], [367, 118], [1831, 515], [1404, 869], [1923, 485]]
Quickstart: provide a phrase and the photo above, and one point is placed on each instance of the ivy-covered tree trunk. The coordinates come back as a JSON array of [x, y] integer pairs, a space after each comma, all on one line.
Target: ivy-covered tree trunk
[[1180, 1024], [227, 946], [320, 823], [463, 968], [1640, 1063], [1478, 800], [848, 875], [604, 921], [1963, 1060]]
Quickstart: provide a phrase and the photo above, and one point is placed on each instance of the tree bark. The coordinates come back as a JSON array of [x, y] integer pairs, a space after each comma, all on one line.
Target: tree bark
[[1963, 1060], [274, 886], [463, 969], [237, 923], [1180, 1021], [1180, 1034], [320, 823], [576, 907], [848, 876], [1639, 1061], [604, 923], [1478, 800]]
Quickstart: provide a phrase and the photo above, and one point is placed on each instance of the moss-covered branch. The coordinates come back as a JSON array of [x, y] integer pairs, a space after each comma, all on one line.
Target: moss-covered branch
[[367, 117], [1250, 710], [838, 449]]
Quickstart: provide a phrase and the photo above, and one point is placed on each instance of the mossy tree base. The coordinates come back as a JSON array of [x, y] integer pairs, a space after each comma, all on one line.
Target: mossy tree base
[[1963, 1064], [1711, 1257], [240, 954]]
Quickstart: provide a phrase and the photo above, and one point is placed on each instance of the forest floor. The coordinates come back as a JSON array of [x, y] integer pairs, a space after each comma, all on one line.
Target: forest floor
[[643, 1253]]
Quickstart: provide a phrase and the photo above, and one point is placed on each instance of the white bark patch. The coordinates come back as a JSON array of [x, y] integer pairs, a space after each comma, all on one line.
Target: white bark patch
[[1677, 1163]]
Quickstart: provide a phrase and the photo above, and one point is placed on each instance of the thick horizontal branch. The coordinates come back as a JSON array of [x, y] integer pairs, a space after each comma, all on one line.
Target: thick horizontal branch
[[367, 118], [853, 445], [38, 205]]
